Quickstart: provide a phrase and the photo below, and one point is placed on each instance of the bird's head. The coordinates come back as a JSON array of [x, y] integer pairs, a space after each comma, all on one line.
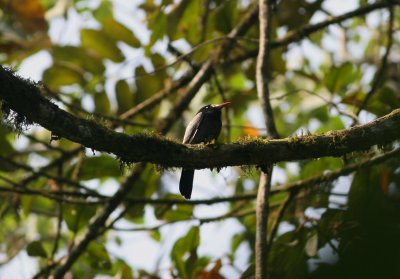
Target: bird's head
[[213, 108]]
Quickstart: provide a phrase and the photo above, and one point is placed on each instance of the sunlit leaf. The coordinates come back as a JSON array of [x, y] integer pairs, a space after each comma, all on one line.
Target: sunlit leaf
[[119, 32], [60, 75], [104, 10], [311, 247]]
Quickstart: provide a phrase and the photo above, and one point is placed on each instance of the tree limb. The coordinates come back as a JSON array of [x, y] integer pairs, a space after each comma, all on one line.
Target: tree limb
[[24, 98], [264, 186]]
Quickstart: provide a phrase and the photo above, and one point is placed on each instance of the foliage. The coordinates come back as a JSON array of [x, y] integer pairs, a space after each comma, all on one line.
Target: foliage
[[51, 192]]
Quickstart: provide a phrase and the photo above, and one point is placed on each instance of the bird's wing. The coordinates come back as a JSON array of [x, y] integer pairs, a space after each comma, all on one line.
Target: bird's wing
[[192, 128]]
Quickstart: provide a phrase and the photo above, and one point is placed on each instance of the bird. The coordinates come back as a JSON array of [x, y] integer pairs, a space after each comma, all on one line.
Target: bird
[[203, 128]]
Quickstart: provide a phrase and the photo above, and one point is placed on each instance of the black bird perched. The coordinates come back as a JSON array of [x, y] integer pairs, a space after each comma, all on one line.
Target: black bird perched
[[204, 127]]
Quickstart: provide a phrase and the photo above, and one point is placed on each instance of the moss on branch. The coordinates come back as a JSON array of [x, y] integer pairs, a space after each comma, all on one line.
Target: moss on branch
[[22, 99]]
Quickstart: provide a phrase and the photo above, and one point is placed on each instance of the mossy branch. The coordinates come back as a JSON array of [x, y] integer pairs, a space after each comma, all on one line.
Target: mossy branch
[[25, 100]]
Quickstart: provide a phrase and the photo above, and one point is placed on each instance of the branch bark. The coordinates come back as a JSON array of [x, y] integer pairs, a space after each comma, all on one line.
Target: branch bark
[[264, 186], [25, 99], [97, 226]]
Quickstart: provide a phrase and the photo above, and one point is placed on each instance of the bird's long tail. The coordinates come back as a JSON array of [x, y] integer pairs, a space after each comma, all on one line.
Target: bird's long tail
[[186, 183]]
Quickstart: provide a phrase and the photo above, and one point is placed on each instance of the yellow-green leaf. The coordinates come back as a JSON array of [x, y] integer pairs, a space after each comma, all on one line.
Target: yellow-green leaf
[[102, 103], [60, 75], [119, 32], [125, 97], [102, 44]]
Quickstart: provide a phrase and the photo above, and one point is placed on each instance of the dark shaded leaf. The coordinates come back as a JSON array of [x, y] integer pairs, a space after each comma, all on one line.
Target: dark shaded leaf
[[99, 167], [36, 249]]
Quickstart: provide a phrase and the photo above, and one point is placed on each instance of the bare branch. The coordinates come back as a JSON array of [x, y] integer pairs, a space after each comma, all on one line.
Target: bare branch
[[379, 75]]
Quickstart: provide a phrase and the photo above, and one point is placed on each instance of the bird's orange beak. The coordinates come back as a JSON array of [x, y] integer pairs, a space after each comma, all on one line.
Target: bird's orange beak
[[223, 105]]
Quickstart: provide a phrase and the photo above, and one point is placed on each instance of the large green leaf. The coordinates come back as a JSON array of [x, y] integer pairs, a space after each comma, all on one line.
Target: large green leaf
[[288, 258], [183, 247], [98, 256], [224, 17], [146, 84], [338, 79], [119, 32], [80, 57], [125, 96], [77, 217], [102, 44], [36, 249], [59, 75], [102, 104], [99, 167]]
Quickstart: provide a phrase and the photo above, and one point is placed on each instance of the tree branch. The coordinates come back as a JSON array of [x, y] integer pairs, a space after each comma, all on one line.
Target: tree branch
[[264, 187], [379, 75], [95, 228], [307, 30], [301, 33], [25, 99]]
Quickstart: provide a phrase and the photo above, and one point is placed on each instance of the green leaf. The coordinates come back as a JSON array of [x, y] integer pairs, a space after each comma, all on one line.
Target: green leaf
[[318, 166], [186, 245], [236, 240], [158, 28], [77, 217], [103, 11], [119, 32], [102, 103], [146, 84], [125, 97], [338, 79], [60, 75], [174, 16], [288, 256], [156, 235], [384, 101], [225, 16], [5, 149], [80, 57], [102, 44], [36, 249], [99, 167], [181, 212], [143, 188], [98, 256]]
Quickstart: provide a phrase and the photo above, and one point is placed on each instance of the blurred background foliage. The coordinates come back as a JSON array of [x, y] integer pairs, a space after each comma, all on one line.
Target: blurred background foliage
[[110, 64]]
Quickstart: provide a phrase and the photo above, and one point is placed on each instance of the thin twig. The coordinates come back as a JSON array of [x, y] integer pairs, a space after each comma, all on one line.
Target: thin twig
[[380, 72]]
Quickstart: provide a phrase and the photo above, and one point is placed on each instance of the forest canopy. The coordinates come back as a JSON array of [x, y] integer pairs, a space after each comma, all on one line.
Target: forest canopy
[[303, 182]]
